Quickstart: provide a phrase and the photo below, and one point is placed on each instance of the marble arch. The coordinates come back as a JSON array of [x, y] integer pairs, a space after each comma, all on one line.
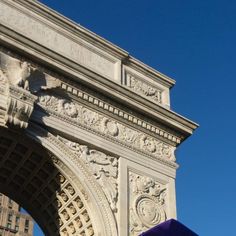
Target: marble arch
[[87, 136], [53, 190]]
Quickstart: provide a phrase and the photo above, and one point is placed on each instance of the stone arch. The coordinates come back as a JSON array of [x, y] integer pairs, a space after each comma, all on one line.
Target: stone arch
[[60, 195]]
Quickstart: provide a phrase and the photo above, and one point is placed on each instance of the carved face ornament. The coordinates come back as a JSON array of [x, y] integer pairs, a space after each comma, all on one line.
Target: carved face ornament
[[148, 144], [110, 127], [67, 108]]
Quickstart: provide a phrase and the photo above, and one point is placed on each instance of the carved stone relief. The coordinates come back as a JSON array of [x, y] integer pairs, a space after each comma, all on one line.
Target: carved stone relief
[[143, 89], [115, 110], [58, 147], [18, 80], [108, 127], [20, 73], [47, 184], [20, 104], [13, 80], [147, 203], [103, 167]]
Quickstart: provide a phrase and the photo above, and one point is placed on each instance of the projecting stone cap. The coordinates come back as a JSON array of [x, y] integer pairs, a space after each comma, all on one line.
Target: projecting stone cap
[[62, 43], [47, 38]]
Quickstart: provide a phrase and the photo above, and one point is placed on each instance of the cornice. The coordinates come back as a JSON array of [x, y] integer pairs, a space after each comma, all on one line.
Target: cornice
[[180, 125], [166, 118], [154, 74], [75, 30]]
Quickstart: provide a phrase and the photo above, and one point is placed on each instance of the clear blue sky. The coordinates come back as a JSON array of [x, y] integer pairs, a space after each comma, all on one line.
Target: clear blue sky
[[194, 43]]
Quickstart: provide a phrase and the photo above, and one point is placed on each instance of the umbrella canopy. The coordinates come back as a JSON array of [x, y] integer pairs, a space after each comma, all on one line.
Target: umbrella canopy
[[169, 228]]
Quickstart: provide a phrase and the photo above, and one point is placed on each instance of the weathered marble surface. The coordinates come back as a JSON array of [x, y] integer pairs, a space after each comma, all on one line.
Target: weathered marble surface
[[102, 118]]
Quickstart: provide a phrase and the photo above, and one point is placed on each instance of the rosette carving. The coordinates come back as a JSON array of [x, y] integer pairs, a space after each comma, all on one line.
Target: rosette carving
[[148, 144]]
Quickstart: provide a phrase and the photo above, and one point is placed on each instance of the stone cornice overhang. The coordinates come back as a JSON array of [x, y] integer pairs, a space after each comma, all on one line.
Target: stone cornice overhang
[[77, 72], [77, 30]]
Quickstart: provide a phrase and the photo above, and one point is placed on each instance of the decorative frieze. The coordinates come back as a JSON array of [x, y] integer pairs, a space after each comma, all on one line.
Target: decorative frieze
[[143, 89], [25, 74], [120, 113], [107, 127], [103, 167], [147, 203]]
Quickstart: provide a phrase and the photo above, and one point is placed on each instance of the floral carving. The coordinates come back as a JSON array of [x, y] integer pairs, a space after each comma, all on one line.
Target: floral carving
[[105, 126], [103, 167], [147, 199], [144, 89]]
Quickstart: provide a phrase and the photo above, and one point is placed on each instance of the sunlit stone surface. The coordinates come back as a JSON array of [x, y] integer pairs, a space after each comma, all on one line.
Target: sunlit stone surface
[[87, 135]]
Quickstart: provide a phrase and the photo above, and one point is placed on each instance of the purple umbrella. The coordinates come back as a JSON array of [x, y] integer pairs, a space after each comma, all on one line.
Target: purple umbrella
[[169, 228]]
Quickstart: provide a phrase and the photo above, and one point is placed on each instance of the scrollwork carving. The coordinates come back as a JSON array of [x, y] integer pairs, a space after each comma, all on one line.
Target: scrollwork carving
[[144, 89], [147, 203], [103, 167]]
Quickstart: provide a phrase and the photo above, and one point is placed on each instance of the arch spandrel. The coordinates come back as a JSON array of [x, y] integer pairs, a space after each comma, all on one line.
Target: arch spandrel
[[89, 137], [48, 189]]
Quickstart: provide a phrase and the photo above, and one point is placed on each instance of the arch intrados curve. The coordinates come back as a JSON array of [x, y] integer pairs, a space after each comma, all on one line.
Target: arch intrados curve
[[103, 219]]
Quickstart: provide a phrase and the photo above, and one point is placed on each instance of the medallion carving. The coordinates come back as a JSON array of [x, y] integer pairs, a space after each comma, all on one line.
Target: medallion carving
[[147, 203]]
